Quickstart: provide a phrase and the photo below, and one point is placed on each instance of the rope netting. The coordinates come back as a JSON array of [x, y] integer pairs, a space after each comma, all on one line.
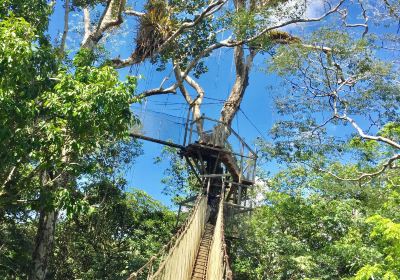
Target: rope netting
[[218, 261], [177, 258], [160, 126]]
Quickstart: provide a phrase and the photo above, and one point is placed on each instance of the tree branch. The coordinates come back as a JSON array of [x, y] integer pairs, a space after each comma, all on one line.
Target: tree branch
[[183, 90], [293, 21], [65, 32], [112, 16], [366, 136], [86, 23], [157, 91], [365, 16], [134, 13], [386, 165], [208, 11], [212, 8], [9, 177]]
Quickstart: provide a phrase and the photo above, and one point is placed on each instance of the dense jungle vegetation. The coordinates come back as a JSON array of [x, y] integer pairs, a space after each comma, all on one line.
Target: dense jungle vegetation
[[329, 208]]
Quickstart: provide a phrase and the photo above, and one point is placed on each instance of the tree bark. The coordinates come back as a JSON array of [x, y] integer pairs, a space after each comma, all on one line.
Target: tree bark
[[47, 221], [112, 16], [243, 66], [43, 244], [232, 104]]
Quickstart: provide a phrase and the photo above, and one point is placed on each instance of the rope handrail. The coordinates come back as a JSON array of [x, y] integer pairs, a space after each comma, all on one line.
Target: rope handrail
[[218, 263], [177, 258], [227, 267], [166, 251]]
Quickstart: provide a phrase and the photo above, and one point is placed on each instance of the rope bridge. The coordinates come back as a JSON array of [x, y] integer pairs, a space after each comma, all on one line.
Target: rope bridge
[[215, 151], [177, 259]]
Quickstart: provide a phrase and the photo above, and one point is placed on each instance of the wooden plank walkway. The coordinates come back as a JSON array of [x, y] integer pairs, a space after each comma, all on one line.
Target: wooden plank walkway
[[200, 266]]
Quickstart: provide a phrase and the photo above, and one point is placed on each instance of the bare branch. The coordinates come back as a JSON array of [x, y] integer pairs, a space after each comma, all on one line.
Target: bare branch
[[134, 13], [9, 177], [322, 125], [317, 48], [293, 21], [65, 32], [386, 165], [183, 90], [86, 22], [172, 89], [197, 101], [157, 91], [365, 16], [112, 16], [196, 87], [366, 136]]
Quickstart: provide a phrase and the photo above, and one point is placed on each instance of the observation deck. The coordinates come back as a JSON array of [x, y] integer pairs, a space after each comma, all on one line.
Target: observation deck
[[210, 147]]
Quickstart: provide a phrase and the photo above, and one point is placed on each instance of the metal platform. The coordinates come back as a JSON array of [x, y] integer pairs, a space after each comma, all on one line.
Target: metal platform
[[209, 146]]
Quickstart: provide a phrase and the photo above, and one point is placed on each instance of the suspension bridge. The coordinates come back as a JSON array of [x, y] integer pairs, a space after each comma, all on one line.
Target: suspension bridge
[[224, 166]]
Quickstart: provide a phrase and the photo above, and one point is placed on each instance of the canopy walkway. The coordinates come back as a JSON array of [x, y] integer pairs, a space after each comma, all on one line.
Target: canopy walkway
[[225, 168], [197, 251], [201, 264]]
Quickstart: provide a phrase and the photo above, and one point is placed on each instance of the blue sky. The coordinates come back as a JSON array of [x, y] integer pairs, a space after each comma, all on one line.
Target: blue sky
[[257, 104], [216, 83]]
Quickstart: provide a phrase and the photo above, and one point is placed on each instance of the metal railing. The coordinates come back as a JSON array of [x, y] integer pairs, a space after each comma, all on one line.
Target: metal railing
[[180, 132], [219, 136]]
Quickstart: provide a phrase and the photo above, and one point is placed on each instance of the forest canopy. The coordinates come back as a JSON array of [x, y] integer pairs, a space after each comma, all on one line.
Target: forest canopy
[[327, 194]]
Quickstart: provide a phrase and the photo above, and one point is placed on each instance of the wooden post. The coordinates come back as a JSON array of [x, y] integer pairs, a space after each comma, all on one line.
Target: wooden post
[[241, 162], [177, 217], [239, 198], [187, 126]]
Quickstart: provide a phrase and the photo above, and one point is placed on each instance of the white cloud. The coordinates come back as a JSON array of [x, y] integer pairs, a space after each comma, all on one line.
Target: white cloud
[[296, 9], [315, 8]]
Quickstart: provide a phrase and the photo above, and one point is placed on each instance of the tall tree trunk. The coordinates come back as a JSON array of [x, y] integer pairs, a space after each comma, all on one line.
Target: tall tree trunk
[[243, 66], [231, 106], [47, 222], [43, 244]]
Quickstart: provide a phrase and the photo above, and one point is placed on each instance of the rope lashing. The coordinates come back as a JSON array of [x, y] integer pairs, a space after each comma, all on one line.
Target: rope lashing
[[176, 259], [218, 261]]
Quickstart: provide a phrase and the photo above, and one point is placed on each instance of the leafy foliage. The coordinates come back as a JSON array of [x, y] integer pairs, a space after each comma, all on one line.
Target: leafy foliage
[[36, 12], [309, 234], [63, 132], [179, 182], [123, 231]]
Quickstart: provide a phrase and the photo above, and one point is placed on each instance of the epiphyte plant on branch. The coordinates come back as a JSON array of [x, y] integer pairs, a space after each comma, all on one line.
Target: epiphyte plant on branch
[[177, 26]]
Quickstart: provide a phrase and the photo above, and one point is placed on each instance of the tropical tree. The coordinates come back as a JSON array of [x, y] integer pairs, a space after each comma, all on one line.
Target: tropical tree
[[63, 109], [337, 141], [117, 238], [55, 118]]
